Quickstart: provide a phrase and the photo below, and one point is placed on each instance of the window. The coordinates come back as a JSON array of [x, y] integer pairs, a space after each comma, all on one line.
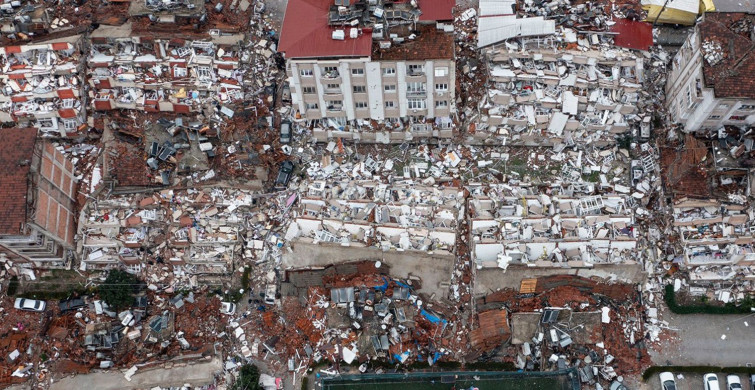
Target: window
[[360, 89], [312, 106], [308, 89], [67, 103], [390, 104], [714, 117], [47, 123], [441, 72], [737, 118], [335, 105], [724, 105], [357, 72], [306, 72], [360, 104], [179, 71], [389, 71], [415, 87], [416, 69], [747, 107], [441, 104], [416, 104], [441, 87], [329, 69], [333, 86], [390, 88], [70, 124], [204, 72]]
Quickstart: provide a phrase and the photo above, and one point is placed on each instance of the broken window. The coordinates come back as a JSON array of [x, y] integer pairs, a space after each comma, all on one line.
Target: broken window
[[417, 87], [179, 71], [204, 72], [416, 104], [70, 124], [67, 103], [713, 117], [335, 105], [312, 106], [416, 70], [737, 118], [747, 107]]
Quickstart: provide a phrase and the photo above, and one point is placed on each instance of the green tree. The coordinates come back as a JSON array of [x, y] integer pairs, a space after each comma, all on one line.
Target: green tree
[[249, 378], [119, 288]]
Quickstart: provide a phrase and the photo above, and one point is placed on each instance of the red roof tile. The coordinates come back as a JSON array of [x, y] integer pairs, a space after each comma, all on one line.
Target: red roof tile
[[632, 34], [306, 34], [436, 9], [732, 76], [429, 44], [17, 146]]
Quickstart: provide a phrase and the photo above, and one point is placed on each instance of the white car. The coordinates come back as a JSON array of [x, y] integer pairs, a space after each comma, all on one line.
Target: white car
[[733, 383], [227, 308], [710, 381], [29, 304], [667, 381]]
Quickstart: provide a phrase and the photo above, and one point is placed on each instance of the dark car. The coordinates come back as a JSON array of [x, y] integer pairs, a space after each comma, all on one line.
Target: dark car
[[71, 304], [285, 132], [284, 174]]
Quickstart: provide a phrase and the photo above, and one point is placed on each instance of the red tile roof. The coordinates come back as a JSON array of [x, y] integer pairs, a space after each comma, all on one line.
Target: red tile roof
[[732, 76], [16, 150], [429, 44], [436, 9], [632, 34], [306, 34], [128, 165]]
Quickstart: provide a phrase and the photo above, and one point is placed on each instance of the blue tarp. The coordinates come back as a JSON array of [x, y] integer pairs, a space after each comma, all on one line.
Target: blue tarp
[[432, 318]]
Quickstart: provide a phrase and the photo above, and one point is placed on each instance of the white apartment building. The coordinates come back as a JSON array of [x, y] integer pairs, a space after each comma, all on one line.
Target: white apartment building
[[342, 72], [710, 84]]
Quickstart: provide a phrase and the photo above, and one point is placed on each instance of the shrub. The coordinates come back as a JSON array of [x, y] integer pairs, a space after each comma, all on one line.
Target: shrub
[[118, 289], [670, 297]]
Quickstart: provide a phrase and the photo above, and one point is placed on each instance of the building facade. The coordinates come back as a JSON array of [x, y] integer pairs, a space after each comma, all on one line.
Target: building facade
[[37, 222], [709, 85]]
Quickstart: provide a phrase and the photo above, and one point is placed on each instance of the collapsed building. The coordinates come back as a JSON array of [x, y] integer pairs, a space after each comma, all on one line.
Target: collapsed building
[[42, 85], [706, 89], [37, 218], [141, 71], [396, 224], [350, 64]]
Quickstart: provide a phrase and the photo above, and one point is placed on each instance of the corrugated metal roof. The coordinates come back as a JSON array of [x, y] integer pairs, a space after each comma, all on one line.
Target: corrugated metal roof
[[494, 29], [306, 34], [497, 7]]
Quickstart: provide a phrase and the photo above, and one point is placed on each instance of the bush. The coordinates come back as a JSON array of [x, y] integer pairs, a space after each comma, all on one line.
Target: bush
[[670, 297], [696, 369], [305, 383], [118, 289], [249, 378], [13, 286]]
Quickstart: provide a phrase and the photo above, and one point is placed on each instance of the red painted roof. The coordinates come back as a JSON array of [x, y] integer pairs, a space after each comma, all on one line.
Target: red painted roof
[[632, 34], [17, 147], [306, 33], [436, 9]]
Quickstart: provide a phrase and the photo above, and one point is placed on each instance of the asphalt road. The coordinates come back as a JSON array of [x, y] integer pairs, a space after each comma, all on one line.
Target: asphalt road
[[700, 340], [690, 381]]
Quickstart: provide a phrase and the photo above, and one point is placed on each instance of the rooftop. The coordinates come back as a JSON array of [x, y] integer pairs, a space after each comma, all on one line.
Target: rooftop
[[18, 147], [305, 33], [436, 10], [728, 53], [430, 43]]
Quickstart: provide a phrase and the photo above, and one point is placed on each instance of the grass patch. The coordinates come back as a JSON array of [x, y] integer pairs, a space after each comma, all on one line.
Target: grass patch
[[593, 177], [730, 308], [696, 369]]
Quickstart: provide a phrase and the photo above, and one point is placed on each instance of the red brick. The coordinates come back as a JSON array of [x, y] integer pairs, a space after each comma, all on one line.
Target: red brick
[[17, 146]]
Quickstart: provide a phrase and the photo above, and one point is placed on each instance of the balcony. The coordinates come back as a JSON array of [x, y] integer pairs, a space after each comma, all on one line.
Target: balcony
[[332, 91], [415, 72], [335, 107], [330, 75], [416, 94]]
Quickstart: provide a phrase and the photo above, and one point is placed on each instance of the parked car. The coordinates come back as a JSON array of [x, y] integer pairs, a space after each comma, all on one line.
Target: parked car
[[733, 382], [616, 385], [667, 381], [285, 132], [227, 308], [29, 304], [752, 382], [71, 304], [285, 171], [710, 381]]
